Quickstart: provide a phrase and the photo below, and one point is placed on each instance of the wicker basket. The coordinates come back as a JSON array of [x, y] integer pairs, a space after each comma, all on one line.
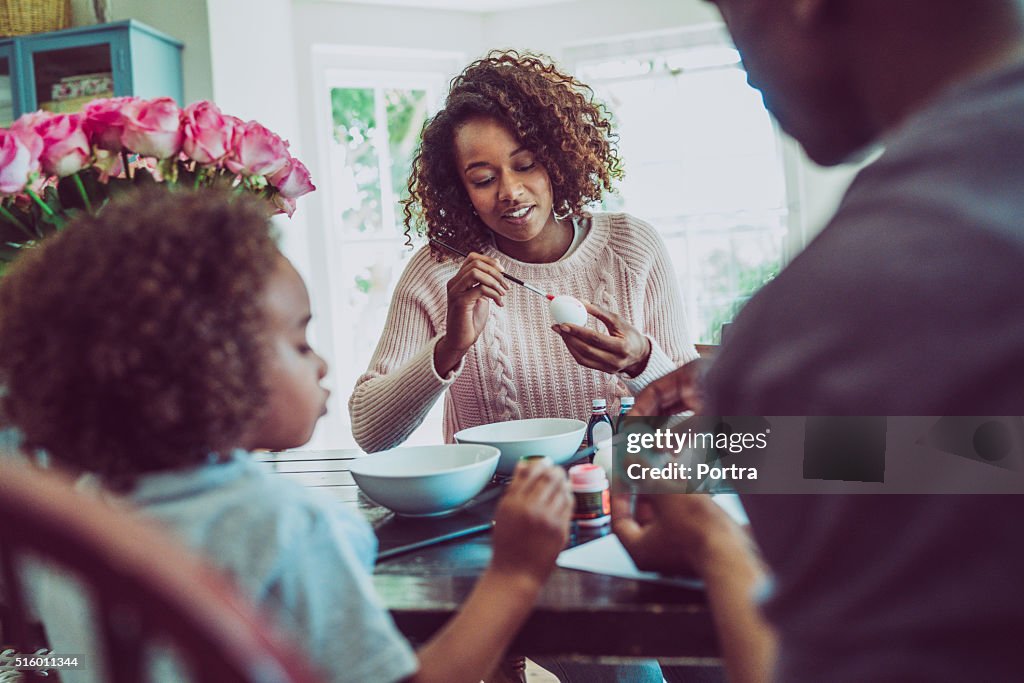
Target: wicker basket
[[18, 17]]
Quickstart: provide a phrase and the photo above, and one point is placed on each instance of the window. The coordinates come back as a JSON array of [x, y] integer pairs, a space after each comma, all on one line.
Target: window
[[703, 163], [369, 139]]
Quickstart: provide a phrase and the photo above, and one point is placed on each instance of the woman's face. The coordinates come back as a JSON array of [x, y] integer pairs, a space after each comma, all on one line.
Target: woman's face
[[509, 189], [296, 400]]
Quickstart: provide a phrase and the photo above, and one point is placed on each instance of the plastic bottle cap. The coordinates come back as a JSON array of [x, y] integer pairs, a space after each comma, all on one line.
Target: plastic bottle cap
[[627, 401], [587, 475], [599, 403]]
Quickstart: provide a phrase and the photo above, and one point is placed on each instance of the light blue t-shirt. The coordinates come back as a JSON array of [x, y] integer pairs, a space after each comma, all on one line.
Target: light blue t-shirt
[[307, 559]]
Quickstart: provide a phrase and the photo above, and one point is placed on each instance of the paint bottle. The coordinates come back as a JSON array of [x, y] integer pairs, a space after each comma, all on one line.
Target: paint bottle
[[593, 504], [625, 405], [600, 427]]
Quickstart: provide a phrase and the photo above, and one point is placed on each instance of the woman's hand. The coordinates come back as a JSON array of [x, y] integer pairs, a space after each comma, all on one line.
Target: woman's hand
[[623, 349], [470, 291], [531, 525]]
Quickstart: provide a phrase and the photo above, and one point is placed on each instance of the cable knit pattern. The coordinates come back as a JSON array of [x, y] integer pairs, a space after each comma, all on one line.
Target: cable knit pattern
[[499, 353], [603, 298], [519, 368]]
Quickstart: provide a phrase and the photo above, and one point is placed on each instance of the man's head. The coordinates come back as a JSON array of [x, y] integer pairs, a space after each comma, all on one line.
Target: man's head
[[838, 73]]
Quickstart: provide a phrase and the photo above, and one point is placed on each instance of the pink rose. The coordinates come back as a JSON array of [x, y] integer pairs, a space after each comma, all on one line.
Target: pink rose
[[104, 121], [207, 132], [32, 120], [15, 163], [152, 128], [66, 148], [25, 128], [285, 205], [293, 180], [256, 151]]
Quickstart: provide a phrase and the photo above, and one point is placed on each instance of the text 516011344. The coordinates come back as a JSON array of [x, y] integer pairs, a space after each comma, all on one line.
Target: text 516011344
[[40, 660]]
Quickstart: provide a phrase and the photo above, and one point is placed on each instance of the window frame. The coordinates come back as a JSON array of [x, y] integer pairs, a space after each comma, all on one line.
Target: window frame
[[337, 66], [576, 56]]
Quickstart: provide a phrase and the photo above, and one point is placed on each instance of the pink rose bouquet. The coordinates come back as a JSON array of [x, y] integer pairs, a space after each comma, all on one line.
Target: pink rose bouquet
[[54, 166]]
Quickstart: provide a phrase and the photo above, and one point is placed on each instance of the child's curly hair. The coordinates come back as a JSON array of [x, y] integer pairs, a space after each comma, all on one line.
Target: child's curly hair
[[551, 113], [133, 341]]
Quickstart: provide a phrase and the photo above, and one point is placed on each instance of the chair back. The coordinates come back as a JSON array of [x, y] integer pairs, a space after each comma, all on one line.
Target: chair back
[[145, 587]]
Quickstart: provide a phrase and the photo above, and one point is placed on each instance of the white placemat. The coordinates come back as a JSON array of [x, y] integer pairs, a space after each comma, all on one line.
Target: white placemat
[[606, 555]]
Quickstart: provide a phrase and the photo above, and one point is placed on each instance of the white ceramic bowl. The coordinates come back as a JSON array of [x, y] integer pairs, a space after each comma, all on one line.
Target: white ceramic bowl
[[422, 481], [557, 438]]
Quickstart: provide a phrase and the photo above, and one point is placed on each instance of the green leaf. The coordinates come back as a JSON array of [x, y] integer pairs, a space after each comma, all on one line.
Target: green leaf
[[96, 190], [50, 225], [52, 199]]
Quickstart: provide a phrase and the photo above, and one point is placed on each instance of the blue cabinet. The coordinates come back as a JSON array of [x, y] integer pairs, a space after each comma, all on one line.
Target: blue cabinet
[[62, 70]]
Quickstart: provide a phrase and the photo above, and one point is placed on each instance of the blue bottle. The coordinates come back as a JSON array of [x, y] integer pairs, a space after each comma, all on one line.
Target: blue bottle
[[625, 405]]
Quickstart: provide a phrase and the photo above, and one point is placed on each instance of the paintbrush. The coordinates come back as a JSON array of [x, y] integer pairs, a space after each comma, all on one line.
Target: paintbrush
[[385, 555], [532, 288]]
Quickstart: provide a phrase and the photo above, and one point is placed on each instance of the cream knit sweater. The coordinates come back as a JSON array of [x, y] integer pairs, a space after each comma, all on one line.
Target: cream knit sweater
[[519, 368]]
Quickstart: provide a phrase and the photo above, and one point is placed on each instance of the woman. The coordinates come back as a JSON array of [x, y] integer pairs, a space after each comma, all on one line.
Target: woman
[[503, 173]]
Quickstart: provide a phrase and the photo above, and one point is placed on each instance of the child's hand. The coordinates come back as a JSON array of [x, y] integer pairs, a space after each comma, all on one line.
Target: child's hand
[[532, 523]]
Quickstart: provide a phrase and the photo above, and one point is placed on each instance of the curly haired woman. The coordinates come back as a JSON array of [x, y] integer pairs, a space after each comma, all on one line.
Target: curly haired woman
[[504, 172]]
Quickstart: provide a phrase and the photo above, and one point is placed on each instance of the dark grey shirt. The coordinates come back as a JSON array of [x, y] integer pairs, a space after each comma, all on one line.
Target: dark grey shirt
[[910, 302]]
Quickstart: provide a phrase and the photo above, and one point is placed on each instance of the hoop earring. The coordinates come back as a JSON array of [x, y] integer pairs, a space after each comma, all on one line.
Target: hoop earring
[[562, 217]]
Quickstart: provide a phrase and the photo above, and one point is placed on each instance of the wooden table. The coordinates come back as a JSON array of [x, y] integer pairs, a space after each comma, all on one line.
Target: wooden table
[[579, 614]]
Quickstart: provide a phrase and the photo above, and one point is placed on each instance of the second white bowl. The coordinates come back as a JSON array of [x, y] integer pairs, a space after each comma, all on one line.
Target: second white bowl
[[558, 438]]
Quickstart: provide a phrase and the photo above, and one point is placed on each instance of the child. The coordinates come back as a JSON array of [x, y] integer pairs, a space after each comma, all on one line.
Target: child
[[154, 346]]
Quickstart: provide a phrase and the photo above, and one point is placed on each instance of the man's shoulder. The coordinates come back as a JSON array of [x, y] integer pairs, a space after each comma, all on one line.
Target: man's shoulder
[[955, 163], [887, 309]]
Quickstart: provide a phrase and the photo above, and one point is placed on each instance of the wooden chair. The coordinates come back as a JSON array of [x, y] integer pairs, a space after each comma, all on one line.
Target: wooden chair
[[144, 585]]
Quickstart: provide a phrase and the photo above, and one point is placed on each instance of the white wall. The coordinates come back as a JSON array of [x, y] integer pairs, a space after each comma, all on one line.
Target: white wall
[[185, 20], [551, 29], [254, 77], [82, 13], [340, 23]]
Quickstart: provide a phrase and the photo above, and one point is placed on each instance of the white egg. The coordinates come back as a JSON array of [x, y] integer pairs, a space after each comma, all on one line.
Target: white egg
[[566, 309]]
